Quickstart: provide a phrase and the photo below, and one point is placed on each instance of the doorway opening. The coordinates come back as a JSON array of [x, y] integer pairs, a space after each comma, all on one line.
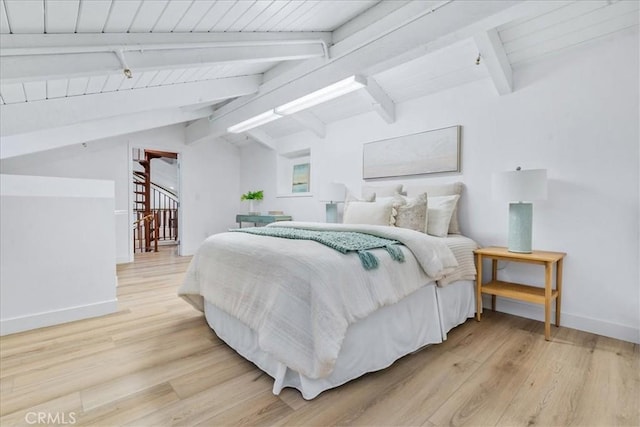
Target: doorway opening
[[156, 200]]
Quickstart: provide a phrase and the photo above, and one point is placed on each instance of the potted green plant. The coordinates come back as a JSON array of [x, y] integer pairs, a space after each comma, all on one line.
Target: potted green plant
[[252, 196]]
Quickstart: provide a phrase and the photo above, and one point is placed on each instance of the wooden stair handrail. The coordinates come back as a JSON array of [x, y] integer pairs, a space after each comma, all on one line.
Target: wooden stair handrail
[[149, 217], [153, 233]]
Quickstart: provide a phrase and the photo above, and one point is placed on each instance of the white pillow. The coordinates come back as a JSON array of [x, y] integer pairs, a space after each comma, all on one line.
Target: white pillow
[[440, 190], [381, 190], [439, 212], [373, 213], [350, 197]]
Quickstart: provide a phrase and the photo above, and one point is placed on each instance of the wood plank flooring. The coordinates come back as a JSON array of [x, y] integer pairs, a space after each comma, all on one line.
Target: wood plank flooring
[[156, 363]]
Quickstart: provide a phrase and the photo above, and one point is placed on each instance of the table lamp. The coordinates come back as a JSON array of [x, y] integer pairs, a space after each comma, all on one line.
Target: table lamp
[[520, 188], [332, 194]]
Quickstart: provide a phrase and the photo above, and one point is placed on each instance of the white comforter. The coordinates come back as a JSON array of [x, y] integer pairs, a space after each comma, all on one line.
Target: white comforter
[[300, 296]]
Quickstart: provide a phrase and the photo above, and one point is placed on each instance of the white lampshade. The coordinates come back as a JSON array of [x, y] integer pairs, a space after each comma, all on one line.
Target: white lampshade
[[520, 185], [333, 192]]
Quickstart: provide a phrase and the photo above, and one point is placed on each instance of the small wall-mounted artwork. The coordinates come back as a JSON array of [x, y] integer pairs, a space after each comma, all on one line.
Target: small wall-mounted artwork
[[301, 178], [427, 152]]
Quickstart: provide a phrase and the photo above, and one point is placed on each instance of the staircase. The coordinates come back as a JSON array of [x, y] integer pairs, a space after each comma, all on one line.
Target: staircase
[[155, 207]]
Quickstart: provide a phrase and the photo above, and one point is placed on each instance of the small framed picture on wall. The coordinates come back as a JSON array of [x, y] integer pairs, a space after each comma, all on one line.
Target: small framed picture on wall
[[301, 178]]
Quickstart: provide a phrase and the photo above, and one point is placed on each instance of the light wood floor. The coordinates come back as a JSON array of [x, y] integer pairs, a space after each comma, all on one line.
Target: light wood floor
[[156, 363]]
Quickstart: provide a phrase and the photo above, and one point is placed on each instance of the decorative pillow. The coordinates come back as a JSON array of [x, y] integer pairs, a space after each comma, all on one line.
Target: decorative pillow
[[412, 213], [440, 190], [351, 198], [373, 213], [439, 214], [381, 190]]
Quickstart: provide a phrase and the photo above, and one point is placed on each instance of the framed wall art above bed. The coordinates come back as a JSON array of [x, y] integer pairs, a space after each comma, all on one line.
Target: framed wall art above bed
[[433, 151]]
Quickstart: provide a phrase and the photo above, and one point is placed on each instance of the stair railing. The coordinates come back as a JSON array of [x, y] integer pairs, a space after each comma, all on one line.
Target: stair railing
[[146, 230], [163, 202]]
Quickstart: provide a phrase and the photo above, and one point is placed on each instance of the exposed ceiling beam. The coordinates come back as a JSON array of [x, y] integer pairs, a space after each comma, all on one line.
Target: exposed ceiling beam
[[495, 58], [52, 113], [510, 10], [262, 137], [384, 10], [23, 68], [14, 44], [450, 23], [198, 130], [41, 140], [380, 101], [400, 50], [310, 122]]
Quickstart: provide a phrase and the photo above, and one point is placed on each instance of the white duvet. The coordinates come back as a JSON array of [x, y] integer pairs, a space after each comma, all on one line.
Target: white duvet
[[300, 296]]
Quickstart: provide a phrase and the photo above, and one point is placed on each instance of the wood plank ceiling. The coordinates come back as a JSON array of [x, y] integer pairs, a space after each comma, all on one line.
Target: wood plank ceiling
[[550, 29], [161, 17], [164, 16]]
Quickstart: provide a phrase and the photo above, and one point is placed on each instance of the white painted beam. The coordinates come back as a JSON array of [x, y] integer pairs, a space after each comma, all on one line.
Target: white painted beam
[[386, 48], [13, 44], [380, 101], [390, 11], [262, 137], [23, 68], [506, 11], [41, 140], [197, 130], [494, 57], [52, 113], [310, 122]]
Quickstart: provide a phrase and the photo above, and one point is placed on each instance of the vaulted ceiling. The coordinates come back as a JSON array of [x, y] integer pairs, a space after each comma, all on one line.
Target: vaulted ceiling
[[79, 70]]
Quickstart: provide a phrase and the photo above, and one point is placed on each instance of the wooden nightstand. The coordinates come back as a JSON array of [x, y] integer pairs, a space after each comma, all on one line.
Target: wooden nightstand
[[517, 291]]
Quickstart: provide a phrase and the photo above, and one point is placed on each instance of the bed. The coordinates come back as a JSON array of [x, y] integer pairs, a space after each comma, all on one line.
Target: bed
[[314, 318]]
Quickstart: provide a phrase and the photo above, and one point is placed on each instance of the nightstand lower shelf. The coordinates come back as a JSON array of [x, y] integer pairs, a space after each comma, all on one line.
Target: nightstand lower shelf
[[517, 291]]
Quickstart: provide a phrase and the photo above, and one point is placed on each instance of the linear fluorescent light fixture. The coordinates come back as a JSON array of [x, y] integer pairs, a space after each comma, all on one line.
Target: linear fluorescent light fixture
[[255, 121], [325, 94]]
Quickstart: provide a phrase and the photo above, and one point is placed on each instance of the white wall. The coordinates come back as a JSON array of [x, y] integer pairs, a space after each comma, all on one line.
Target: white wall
[[164, 174], [575, 115], [209, 179], [57, 257]]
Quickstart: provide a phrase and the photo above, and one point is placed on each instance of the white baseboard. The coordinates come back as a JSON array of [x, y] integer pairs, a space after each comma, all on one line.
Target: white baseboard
[[586, 324], [55, 317], [124, 260]]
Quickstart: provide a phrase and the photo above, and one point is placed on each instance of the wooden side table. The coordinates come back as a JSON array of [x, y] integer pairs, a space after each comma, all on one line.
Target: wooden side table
[[518, 291], [261, 219]]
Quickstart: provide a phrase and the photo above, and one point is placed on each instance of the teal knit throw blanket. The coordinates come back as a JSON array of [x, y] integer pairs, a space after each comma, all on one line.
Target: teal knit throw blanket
[[342, 241]]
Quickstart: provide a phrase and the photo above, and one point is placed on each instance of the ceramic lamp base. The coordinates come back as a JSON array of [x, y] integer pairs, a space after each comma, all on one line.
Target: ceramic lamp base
[[520, 227], [332, 212]]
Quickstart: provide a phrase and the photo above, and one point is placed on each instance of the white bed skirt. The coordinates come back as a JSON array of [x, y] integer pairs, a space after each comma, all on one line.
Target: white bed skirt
[[370, 344]]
